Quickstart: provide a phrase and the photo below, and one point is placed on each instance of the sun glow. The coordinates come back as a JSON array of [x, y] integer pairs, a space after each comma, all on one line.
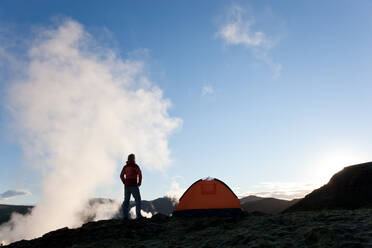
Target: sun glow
[[334, 161]]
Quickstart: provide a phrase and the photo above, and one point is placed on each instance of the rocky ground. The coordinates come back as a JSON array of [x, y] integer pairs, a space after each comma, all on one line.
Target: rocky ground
[[336, 228]]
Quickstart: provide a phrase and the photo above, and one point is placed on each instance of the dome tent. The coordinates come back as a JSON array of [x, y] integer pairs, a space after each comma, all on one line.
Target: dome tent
[[208, 197]]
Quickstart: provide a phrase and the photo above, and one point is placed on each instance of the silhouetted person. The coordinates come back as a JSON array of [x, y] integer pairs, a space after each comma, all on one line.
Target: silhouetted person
[[131, 177]]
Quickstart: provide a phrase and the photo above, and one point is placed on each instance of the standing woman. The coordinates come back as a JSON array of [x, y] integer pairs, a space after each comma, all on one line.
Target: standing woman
[[131, 177]]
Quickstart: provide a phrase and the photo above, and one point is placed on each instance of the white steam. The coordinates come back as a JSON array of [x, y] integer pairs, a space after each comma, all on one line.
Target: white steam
[[176, 191], [133, 215], [100, 209], [78, 109]]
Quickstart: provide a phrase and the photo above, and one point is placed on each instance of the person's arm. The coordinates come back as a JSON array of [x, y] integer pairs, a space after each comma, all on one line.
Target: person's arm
[[122, 175], [139, 176]]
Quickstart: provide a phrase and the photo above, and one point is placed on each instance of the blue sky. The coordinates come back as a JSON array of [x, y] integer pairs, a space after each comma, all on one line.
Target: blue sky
[[276, 105]]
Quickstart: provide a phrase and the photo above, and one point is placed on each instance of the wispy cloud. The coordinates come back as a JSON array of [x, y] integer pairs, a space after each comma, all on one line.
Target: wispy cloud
[[285, 195], [13, 193], [239, 30], [207, 90]]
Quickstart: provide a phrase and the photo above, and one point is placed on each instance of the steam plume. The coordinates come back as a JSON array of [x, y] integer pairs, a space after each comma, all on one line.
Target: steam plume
[[77, 109]]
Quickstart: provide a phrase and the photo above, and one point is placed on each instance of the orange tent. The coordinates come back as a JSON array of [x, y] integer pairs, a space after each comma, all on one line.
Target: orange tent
[[208, 197]]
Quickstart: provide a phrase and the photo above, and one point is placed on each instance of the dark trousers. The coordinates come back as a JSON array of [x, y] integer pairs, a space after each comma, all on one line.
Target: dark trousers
[[134, 190]]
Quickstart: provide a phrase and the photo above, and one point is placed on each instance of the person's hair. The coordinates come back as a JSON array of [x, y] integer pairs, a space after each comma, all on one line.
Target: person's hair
[[131, 157]]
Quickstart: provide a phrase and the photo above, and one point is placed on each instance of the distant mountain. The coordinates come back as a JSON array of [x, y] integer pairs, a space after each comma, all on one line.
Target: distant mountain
[[7, 210], [250, 203], [351, 188], [250, 198], [163, 205], [265, 205]]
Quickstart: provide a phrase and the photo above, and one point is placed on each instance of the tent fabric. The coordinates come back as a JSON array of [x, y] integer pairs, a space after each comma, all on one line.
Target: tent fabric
[[208, 197]]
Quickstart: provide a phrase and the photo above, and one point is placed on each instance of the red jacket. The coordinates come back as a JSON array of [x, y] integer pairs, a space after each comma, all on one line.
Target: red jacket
[[131, 175]]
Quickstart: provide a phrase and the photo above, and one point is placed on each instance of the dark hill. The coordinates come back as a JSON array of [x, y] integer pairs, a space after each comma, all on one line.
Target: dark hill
[[268, 205], [163, 205], [250, 198], [7, 210], [250, 203], [351, 188]]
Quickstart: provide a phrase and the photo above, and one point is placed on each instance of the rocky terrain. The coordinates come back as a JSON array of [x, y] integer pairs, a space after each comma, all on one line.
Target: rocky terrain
[[351, 188], [336, 228]]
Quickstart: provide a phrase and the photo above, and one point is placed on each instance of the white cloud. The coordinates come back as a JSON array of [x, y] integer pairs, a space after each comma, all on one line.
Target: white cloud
[[14, 193], [77, 109], [238, 30], [207, 90]]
